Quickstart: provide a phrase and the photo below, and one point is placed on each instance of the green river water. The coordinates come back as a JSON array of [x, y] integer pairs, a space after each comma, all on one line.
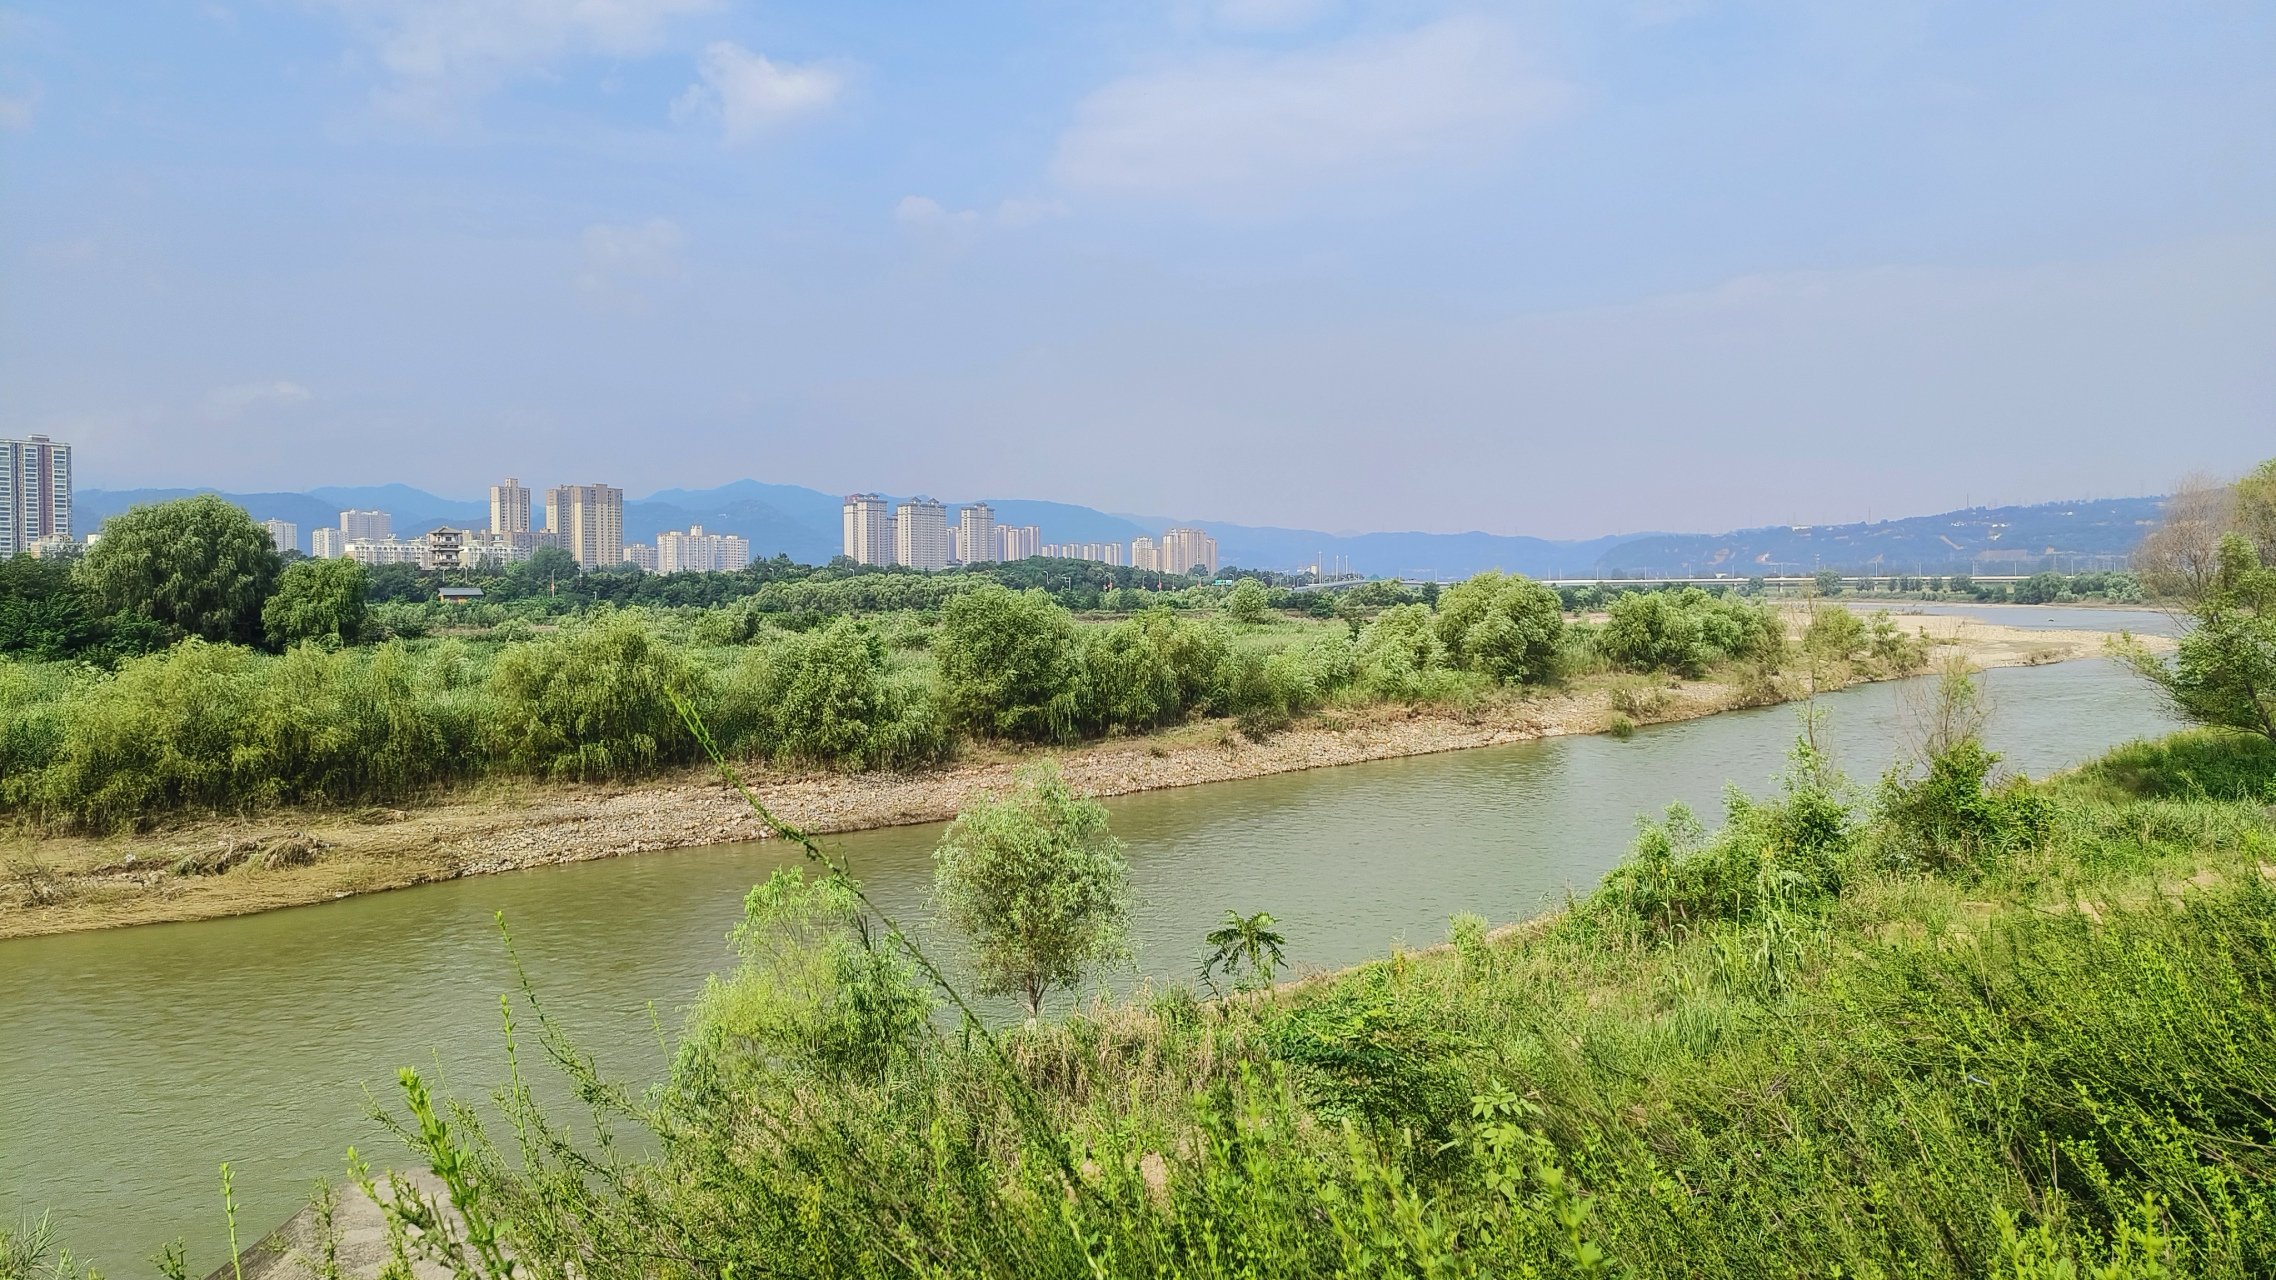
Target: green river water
[[133, 1062]]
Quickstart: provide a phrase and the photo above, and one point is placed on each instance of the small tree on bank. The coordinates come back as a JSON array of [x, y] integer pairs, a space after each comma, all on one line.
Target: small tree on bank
[[1036, 885]]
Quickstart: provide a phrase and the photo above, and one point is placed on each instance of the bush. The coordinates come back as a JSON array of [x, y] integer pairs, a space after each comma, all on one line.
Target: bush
[[1834, 634], [2208, 764], [1399, 652], [815, 995], [316, 600], [1009, 664], [592, 703], [1506, 628], [825, 698], [1950, 818], [1687, 631], [1247, 603]]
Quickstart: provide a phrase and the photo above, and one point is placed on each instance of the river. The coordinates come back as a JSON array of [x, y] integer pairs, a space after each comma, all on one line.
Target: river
[[134, 1061]]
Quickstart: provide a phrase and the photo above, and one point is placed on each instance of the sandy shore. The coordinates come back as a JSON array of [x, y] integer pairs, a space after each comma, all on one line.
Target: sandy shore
[[293, 857]]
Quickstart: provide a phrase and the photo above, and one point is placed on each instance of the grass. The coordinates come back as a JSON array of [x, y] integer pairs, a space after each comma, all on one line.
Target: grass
[[1786, 1048]]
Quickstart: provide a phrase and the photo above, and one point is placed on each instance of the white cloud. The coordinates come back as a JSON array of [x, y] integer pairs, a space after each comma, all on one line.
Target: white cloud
[[619, 260], [1249, 132], [438, 49], [750, 93], [923, 213], [226, 404]]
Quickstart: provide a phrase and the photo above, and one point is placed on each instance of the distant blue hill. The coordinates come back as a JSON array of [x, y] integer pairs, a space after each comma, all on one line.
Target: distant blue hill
[[805, 525]]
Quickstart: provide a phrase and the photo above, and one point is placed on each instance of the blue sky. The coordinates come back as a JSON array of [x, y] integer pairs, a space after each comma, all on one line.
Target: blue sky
[[1539, 268]]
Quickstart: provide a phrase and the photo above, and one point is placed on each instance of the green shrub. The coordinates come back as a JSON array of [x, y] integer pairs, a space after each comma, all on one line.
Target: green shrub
[[1949, 818], [592, 702], [825, 698], [1009, 664], [1506, 628], [1247, 603], [1834, 634], [316, 600], [1399, 652]]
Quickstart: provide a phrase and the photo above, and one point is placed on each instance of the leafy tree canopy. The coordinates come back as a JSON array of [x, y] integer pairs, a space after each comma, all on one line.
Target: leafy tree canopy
[[317, 599], [1037, 886], [199, 564]]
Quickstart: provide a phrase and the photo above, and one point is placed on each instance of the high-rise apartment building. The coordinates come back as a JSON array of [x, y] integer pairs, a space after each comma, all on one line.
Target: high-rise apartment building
[[920, 534], [870, 535], [35, 492], [1184, 548], [284, 533], [589, 520], [698, 552], [509, 507], [647, 557], [1018, 543], [1145, 553], [976, 530], [327, 544], [367, 526]]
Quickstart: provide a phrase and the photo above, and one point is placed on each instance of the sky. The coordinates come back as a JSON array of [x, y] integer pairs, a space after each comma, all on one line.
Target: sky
[[1542, 268]]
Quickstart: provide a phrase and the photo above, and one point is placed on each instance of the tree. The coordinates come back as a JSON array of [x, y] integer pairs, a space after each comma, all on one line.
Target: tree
[[199, 564], [1245, 942], [2255, 515], [1037, 886], [2223, 672], [2182, 554], [1828, 582], [828, 699], [1247, 603], [1506, 627], [1008, 664], [316, 599]]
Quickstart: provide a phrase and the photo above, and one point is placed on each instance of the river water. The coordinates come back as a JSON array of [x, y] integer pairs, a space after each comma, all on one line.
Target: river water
[[134, 1061]]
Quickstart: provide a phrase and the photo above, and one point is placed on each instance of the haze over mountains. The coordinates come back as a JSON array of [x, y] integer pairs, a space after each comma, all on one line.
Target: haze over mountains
[[805, 524]]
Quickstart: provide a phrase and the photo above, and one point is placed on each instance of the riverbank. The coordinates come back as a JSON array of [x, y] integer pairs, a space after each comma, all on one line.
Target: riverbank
[[296, 857]]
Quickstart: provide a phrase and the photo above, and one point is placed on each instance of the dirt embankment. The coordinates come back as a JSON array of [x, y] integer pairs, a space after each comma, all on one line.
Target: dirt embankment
[[231, 866]]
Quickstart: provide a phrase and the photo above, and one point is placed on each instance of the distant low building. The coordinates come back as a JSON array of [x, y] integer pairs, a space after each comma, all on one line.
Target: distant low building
[[459, 595], [698, 552], [446, 549], [379, 551]]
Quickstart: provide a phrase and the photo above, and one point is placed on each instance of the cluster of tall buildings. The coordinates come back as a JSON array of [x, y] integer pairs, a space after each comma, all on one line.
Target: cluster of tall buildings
[[585, 520], [919, 534]]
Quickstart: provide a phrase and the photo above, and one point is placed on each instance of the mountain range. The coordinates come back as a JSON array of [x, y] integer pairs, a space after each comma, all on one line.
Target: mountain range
[[805, 524]]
